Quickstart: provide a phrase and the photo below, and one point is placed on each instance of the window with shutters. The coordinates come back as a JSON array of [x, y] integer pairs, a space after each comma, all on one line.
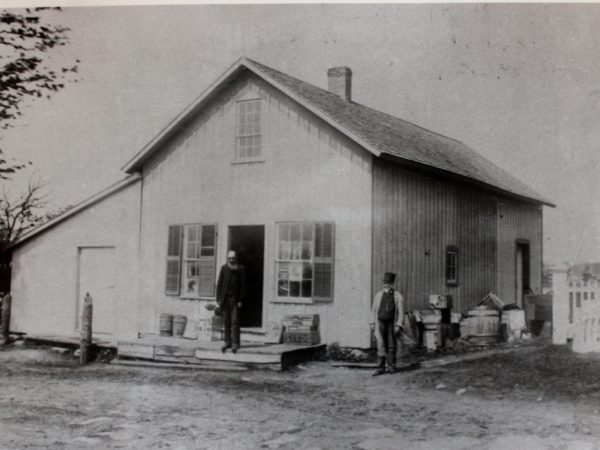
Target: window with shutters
[[174, 260], [191, 261], [248, 136], [305, 256], [451, 265]]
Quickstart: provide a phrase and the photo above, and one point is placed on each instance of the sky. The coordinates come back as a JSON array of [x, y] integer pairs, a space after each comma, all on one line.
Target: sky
[[519, 83]]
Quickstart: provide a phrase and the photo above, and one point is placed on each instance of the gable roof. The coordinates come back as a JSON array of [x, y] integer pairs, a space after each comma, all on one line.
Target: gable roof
[[381, 134]]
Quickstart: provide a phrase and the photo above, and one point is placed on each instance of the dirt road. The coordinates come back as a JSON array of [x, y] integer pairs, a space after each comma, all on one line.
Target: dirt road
[[46, 401]]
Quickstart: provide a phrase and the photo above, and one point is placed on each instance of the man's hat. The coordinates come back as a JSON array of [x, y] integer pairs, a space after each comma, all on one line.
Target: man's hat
[[389, 278]]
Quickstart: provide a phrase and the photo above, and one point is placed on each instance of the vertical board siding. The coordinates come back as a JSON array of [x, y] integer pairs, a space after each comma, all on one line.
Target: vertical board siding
[[415, 218], [519, 221]]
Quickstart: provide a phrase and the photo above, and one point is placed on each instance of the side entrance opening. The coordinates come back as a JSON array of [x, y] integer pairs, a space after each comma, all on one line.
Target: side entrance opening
[[522, 272], [97, 275], [249, 242]]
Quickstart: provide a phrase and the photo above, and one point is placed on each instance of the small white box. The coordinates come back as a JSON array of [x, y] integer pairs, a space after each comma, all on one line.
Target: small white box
[[437, 301]]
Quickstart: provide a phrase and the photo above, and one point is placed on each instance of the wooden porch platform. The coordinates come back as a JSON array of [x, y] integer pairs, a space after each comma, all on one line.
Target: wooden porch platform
[[208, 354], [69, 340]]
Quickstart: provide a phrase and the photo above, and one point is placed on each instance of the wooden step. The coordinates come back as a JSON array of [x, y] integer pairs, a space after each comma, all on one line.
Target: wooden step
[[239, 357]]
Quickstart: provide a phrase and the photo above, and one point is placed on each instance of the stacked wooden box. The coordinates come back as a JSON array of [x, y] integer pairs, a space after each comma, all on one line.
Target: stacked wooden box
[[301, 329]]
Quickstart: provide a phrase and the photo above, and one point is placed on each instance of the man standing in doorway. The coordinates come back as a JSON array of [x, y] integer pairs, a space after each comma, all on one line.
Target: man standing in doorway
[[387, 314], [230, 295]]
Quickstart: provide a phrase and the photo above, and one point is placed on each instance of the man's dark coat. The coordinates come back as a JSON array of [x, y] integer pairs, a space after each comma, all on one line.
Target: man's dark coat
[[239, 289]]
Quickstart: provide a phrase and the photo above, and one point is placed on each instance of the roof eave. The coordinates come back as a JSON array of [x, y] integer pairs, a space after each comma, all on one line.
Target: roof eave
[[464, 179], [116, 187]]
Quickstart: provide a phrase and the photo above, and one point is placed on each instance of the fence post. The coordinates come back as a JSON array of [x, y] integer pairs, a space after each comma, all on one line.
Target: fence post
[[561, 327], [86, 329], [6, 307]]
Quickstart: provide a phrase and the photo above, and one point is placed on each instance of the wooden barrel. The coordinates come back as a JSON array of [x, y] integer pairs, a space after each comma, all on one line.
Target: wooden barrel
[[166, 324], [179, 323], [484, 326]]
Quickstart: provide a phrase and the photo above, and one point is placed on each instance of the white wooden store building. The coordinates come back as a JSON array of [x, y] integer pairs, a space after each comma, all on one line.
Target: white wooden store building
[[319, 195]]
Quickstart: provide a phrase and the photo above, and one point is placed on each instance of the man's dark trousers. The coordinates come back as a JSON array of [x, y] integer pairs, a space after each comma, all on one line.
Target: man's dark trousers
[[231, 323], [386, 327]]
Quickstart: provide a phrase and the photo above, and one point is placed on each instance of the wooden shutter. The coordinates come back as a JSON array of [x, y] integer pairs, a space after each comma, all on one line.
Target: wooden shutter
[[208, 261], [323, 262], [173, 278]]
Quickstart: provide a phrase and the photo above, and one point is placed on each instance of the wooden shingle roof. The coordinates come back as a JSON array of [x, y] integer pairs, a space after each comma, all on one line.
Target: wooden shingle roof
[[380, 133]]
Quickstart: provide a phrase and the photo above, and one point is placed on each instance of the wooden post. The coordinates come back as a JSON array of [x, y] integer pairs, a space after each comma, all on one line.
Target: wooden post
[[86, 329], [6, 305]]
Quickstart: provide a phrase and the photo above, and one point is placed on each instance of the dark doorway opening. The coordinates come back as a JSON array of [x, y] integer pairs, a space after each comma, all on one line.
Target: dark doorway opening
[[249, 242], [522, 275]]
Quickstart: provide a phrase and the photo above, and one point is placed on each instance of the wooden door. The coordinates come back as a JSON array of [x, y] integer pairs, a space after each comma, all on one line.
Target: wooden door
[[97, 275]]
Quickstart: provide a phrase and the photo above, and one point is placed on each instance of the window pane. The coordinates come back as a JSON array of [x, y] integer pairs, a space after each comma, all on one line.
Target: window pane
[[294, 288], [193, 269], [191, 279], [307, 241], [307, 271], [283, 276], [306, 288], [295, 271], [296, 242], [295, 231], [190, 250], [283, 288]]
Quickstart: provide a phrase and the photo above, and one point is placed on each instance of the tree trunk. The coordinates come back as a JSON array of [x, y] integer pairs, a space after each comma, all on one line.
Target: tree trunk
[[86, 330], [6, 306]]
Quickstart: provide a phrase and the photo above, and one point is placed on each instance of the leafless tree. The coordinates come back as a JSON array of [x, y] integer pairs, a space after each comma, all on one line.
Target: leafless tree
[[21, 212]]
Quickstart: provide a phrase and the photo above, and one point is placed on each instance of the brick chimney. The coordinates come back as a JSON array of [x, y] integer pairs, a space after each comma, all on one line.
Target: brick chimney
[[340, 82]]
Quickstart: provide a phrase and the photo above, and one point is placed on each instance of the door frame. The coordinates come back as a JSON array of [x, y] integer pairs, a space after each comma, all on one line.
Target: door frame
[[78, 300], [263, 326]]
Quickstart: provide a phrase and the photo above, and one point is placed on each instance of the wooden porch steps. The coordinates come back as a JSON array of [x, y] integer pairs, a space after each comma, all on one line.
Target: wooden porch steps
[[204, 354]]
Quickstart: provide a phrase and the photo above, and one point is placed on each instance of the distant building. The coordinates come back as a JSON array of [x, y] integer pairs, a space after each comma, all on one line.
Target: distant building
[[573, 287]]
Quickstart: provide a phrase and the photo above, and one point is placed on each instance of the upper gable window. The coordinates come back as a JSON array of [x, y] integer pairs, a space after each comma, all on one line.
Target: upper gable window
[[248, 138]]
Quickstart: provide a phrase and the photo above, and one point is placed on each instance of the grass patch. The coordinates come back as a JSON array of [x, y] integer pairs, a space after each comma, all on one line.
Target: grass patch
[[551, 372]]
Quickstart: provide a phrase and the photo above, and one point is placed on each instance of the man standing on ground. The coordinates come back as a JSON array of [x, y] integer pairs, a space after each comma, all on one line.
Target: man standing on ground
[[230, 295], [387, 314]]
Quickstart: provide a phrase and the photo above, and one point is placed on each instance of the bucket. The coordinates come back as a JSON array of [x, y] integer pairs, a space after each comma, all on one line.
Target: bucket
[[432, 336], [166, 324], [484, 326], [217, 332], [179, 323]]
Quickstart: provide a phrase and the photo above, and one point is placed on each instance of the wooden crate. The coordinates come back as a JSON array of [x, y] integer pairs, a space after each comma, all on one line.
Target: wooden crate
[[302, 337], [301, 320], [300, 328]]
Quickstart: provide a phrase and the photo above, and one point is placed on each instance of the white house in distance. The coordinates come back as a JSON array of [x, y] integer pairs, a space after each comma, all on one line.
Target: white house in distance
[[320, 196], [575, 298]]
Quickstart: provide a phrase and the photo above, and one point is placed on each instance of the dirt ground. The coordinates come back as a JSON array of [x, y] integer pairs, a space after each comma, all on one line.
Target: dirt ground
[[47, 401]]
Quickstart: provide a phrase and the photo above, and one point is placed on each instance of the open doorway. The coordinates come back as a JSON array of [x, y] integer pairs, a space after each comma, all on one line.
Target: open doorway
[[249, 242], [522, 272]]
